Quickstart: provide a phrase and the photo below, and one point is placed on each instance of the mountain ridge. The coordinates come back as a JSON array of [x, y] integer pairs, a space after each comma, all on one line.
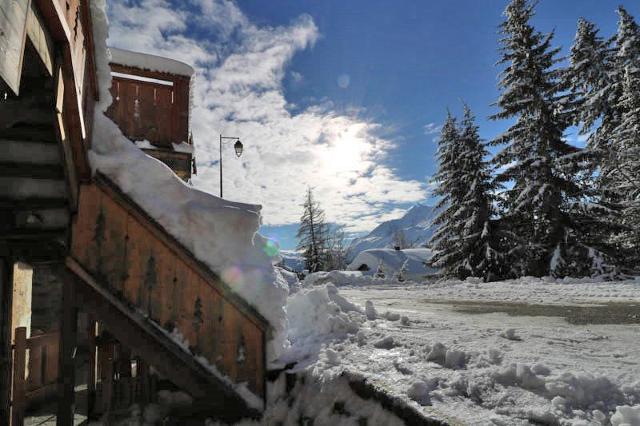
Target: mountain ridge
[[416, 225]]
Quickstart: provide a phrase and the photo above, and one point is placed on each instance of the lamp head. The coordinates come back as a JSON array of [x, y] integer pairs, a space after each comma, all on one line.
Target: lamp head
[[238, 148]]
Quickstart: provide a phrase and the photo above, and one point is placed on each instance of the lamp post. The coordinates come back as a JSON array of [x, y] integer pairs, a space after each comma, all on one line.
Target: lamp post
[[236, 146]]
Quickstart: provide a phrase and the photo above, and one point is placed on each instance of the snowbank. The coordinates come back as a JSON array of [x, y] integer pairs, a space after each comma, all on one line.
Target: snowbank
[[392, 260], [221, 233], [317, 316]]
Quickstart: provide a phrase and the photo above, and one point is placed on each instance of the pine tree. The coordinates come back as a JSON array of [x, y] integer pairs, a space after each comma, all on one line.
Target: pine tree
[[313, 235], [625, 54], [540, 165], [626, 168], [336, 251], [471, 246], [588, 77], [380, 273], [401, 275], [446, 240]]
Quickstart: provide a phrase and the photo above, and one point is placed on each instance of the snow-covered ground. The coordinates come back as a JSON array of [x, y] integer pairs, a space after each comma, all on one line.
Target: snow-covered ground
[[425, 345], [494, 368]]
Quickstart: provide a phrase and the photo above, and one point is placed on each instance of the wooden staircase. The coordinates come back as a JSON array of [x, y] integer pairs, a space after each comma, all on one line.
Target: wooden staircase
[[34, 200], [120, 266]]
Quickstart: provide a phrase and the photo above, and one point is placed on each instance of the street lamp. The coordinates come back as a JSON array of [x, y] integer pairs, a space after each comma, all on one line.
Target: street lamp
[[237, 147]]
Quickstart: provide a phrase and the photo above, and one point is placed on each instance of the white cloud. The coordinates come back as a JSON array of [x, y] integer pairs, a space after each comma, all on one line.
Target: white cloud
[[432, 129], [239, 92], [296, 77]]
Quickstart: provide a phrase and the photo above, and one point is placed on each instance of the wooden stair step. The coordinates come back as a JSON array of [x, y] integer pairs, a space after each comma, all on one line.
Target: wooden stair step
[[28, 151], [40, 133], [32, 171], [33, 203], [33, 234]]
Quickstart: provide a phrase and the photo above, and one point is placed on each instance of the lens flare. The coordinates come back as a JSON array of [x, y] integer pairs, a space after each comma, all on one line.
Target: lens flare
[[232, 275], [271, 248]]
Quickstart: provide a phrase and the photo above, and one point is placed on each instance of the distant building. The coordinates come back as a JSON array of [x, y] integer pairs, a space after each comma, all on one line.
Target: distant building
[[151, 105]]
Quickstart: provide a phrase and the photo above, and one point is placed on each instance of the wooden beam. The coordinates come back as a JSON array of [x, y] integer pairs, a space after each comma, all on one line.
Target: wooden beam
[[32, 171], [6, 353], [55, 20], [92, 375], [19, 370], [69, 328]]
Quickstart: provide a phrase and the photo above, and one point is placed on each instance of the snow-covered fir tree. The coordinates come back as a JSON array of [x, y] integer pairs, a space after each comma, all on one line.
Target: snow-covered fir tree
[[541, 168], [401, 275], [625, 172], [313, 235], [336, 250], [380, 272], [446, 240], [589, 80], [470, 243], [598, 81]]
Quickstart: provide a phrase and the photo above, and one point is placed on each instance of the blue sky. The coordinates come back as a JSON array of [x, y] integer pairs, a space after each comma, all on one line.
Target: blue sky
[[369, 80]]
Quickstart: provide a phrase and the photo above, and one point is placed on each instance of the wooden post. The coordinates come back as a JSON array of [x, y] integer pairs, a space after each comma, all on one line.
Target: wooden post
[[93, 365], [69, 326], [6, 297], [19, 370]]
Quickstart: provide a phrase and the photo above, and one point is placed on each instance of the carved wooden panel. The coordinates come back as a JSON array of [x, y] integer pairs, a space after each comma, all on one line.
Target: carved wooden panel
[[132, 257]]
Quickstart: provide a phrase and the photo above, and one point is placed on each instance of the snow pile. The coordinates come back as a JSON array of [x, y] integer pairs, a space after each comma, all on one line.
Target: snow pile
[[338, 278], [351, 278], [317, 316], [392, 261], [291, 279], [626, 416], [321, 399], [221, 233]]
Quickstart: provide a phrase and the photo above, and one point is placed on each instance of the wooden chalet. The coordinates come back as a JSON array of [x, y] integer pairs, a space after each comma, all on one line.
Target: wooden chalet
[[91, 287], [151, 102]]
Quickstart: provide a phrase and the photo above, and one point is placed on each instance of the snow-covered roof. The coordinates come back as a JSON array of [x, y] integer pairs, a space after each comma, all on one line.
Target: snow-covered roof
[[393, 260], [150, 62]]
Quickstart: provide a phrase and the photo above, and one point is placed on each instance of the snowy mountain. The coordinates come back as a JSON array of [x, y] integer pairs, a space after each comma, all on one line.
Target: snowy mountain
[[415, 224], [292, 260], [392, 261]]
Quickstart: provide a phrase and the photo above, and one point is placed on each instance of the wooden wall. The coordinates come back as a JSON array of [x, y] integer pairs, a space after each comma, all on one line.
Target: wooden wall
[[139, 262], [150, 111]]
